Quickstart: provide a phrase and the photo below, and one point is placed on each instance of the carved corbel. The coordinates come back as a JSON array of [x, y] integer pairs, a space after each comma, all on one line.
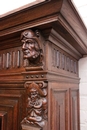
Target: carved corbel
[[32, 48], [36, 104]]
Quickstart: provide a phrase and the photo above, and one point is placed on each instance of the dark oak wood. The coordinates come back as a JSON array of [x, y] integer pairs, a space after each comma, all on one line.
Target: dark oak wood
[[58, 38]]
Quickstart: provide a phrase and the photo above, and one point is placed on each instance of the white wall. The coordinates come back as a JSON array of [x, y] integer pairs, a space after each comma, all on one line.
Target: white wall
[[83, 92]]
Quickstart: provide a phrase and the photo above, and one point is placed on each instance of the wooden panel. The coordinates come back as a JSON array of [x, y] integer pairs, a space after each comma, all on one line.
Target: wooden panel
[[3, 120], [10, 104], [74, 106], [59, 109]]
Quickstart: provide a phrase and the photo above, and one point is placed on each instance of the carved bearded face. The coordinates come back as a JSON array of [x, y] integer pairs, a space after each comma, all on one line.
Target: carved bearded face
[[31, 49], [33, 94]]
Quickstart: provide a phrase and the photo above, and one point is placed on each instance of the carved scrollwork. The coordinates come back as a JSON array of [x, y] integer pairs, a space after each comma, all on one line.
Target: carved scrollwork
[[36, 103], [32, 47]]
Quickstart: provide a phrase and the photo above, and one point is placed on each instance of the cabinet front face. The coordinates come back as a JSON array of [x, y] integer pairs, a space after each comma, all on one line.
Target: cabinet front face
[[63, 106]]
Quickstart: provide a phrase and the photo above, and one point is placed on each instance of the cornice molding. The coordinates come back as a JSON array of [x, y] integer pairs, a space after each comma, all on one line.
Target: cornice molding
[[63, 18]]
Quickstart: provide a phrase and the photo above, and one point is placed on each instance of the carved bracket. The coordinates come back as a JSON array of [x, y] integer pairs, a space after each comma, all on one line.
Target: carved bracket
[[36, 103]]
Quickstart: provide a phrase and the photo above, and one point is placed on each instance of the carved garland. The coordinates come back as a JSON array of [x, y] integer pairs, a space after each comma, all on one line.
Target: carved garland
[[36, 103]]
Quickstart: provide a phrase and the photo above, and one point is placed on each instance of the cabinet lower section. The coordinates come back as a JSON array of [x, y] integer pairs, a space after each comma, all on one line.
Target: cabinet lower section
[[63, 108]]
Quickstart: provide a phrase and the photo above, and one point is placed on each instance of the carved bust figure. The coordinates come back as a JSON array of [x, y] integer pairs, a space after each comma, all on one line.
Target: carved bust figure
[[31, 46], [36, 105]]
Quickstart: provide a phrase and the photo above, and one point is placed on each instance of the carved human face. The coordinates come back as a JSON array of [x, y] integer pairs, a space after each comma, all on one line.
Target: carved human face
[[33, 94], [30, 49]]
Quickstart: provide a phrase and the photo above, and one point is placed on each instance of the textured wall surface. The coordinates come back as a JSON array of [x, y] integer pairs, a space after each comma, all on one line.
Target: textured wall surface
[[83, 92]]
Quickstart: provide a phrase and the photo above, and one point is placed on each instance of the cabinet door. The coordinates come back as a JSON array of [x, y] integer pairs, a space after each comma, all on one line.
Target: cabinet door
[[59, 109], [74, 109], [3, 120]]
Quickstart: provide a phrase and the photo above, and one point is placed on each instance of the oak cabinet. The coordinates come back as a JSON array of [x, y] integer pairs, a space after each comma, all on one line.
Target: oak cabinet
[[39, 79]]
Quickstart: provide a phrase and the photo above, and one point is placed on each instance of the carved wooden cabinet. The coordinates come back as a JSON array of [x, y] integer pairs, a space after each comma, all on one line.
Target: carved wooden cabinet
[[39, 51]]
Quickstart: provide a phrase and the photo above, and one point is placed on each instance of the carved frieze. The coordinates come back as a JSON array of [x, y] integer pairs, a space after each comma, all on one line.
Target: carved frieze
[[11, 58], [36, 103], [31, 47], [62, 61]]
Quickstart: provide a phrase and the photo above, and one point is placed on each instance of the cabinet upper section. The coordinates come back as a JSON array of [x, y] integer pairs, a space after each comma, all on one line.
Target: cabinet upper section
[[60, 15]]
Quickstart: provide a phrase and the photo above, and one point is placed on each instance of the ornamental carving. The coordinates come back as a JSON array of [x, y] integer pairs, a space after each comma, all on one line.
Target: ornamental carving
[[31, 47], [36, 103]]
